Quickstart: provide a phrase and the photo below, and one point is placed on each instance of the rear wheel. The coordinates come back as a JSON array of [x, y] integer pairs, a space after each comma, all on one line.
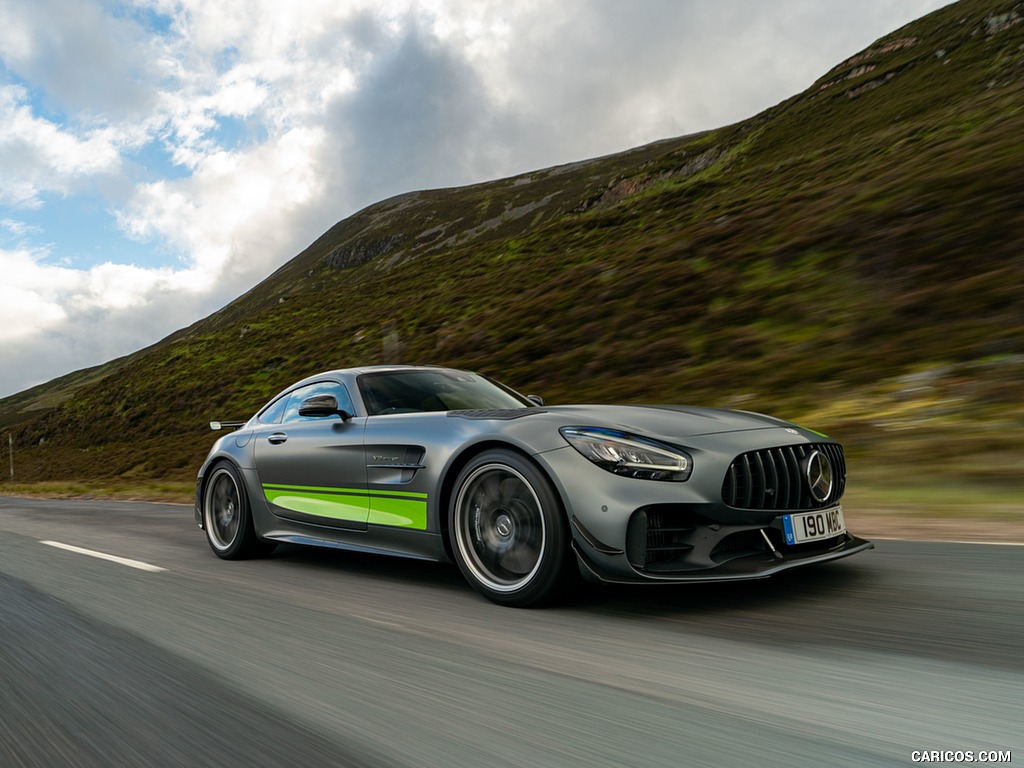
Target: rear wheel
[[509, 532], [227, 517]]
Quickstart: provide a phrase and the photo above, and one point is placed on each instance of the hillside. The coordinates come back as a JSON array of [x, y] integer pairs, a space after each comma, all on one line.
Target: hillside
[[852, 258]]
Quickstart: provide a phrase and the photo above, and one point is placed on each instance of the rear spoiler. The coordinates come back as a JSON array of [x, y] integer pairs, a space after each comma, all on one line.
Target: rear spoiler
[[218, 425]]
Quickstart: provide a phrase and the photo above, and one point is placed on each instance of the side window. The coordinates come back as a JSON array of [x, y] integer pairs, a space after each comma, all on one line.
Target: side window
[[273, 412], [291, 412]]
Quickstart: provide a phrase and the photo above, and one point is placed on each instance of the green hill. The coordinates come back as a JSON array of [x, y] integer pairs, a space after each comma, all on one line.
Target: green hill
[[852, 258]]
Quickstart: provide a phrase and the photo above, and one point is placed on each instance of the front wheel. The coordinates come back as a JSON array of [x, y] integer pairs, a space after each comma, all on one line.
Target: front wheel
[[509, 531], [227, 517]]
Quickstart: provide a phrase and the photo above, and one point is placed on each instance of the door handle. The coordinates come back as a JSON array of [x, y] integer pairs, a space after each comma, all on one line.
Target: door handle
[[277, 438]]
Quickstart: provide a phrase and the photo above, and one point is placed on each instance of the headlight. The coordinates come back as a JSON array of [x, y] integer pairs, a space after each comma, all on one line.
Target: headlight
[[629, 455]]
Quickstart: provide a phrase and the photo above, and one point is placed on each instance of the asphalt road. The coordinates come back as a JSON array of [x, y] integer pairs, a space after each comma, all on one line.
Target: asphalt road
[[322, 658]]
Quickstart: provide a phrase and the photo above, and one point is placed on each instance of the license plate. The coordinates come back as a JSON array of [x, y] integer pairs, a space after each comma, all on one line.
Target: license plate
[[813, 526]]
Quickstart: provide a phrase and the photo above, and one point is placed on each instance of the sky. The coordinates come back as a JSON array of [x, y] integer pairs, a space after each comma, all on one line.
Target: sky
[[159, 158]]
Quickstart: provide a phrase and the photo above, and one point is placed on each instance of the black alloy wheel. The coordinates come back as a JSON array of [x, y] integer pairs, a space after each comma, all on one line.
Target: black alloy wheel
[[509, 533], [227, 517]]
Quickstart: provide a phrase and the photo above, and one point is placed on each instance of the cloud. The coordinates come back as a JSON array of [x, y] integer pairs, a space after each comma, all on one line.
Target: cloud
[[29, 296], [51, 315], [87, 60], [37, 156], [232, 215], [419, 111], [37, 296]]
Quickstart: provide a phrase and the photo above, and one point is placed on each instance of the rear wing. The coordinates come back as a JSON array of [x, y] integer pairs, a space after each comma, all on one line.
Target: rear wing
[[218, 425]]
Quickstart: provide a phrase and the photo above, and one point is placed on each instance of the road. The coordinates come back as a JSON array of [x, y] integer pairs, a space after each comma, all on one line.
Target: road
[[314, 658]]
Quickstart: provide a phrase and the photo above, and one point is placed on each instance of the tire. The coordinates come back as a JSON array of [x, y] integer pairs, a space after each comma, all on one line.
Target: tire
[[227, 517], [509, 532]]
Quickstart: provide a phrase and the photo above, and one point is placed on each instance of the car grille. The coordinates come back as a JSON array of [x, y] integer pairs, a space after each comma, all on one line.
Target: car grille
[[776, 478]]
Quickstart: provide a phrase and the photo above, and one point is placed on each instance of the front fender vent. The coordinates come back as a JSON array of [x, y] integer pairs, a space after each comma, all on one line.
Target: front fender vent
[[776, 478]]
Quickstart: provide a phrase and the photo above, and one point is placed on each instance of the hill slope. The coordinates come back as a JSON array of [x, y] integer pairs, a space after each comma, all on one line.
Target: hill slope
[[852, 258]]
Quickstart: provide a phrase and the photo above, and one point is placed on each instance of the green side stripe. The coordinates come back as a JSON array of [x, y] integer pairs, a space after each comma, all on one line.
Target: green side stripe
[[403, 509], [334, 505]]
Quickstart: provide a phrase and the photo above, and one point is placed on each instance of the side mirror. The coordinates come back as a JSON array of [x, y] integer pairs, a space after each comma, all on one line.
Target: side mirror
[[321, 406], [535, 399]]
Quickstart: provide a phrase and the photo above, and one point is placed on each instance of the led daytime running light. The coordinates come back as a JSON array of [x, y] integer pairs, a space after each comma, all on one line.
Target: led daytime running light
[[629, 455]]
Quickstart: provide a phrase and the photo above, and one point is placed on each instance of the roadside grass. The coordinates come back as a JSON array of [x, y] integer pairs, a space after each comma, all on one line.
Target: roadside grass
[[949, 501], [169, 492]]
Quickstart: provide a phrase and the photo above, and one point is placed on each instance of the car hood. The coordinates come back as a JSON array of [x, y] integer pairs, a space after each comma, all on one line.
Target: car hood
[[667, 422]]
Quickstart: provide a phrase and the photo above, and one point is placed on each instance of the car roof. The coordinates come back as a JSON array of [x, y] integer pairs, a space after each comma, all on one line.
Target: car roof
[[384, 368], [344, 372]]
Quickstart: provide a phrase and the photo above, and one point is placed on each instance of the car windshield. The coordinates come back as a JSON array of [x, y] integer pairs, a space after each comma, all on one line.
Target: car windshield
[[389, 392]]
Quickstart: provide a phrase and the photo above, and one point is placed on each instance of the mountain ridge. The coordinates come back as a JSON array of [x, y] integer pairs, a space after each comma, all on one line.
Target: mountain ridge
[[852, 257]]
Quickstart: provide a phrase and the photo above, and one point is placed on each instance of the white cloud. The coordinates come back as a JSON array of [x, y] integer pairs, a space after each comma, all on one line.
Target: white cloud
[[232, 214], [52, 315], [29, 301], [37, 296], [86, 56], [37, 156], [17, 229]]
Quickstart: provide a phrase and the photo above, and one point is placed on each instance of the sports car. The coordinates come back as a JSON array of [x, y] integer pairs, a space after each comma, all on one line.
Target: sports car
[[447, 465]]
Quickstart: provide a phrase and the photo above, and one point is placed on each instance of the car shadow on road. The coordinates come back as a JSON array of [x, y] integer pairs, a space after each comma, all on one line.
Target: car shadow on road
[[381, 567], [818, 585], [806, 585]]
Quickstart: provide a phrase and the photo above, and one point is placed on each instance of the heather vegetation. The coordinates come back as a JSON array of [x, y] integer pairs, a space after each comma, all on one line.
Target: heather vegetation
[[852, 259]]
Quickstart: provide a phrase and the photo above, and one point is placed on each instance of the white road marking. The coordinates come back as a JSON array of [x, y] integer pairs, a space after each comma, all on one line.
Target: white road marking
[[382, 622], [104, 556]]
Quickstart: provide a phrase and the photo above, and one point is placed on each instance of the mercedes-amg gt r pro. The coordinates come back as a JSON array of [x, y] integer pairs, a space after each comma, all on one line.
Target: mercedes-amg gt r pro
[[446, 465]]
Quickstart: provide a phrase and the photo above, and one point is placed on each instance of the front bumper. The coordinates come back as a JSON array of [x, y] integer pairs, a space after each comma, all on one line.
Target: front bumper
[[633, 531], [750, 559]]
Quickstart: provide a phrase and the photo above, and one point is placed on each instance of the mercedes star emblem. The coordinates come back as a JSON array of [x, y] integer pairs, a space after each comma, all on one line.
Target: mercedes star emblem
[[819, 476]]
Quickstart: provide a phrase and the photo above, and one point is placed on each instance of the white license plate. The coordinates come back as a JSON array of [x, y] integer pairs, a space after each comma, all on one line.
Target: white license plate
[[813, 526]]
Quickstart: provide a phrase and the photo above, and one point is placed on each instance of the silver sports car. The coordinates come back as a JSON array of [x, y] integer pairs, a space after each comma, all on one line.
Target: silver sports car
[[445, 465]]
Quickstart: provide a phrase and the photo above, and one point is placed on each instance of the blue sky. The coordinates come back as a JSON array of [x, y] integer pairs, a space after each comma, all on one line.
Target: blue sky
[[158, 158]]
